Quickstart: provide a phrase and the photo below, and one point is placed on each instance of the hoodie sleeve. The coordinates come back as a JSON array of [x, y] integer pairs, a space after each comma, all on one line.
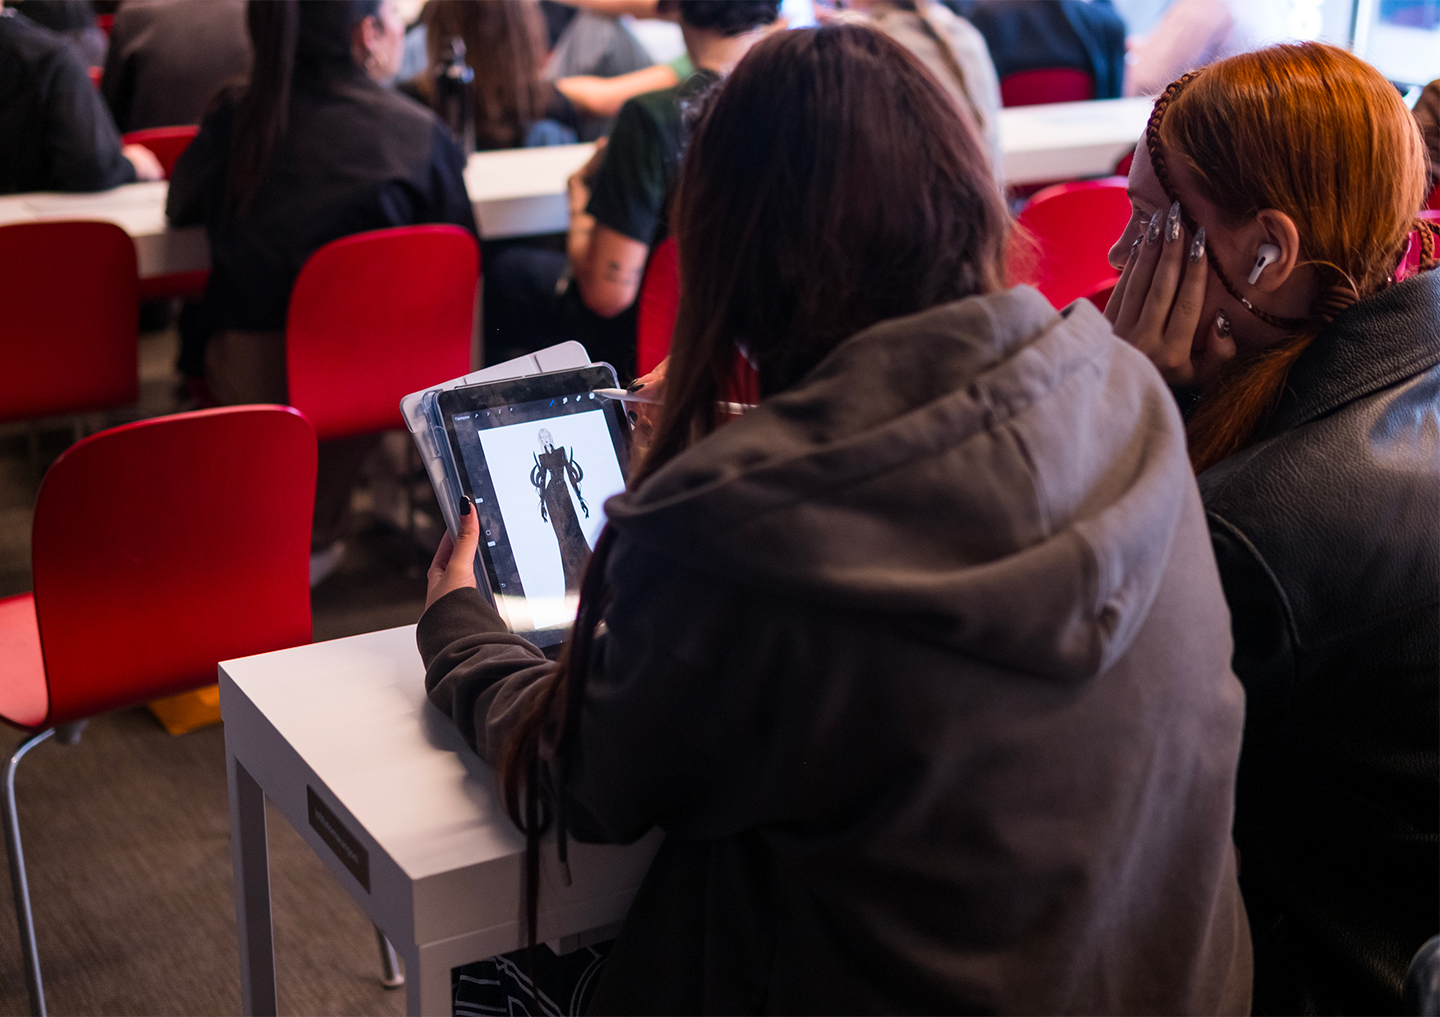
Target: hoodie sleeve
[[478, 673], [668, 734]]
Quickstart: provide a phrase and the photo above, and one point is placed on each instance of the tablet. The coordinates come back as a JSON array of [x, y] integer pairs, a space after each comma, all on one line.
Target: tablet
[[538, 456]]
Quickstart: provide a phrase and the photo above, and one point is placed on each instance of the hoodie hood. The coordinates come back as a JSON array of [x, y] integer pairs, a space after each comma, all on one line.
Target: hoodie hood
[[998, 477]]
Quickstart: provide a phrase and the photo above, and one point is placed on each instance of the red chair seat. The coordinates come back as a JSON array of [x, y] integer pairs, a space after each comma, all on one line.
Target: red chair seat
[[69, 319], [1073, 227], [23, 694], [166, 142], [374, 317], [1048, 84]]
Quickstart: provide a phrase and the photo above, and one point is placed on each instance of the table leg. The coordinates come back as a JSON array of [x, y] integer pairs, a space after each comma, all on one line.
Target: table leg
[[252, 891], [427, 983]]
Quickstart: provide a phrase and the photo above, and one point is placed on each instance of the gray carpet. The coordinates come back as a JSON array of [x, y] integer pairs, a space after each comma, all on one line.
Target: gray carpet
[[127, 833]]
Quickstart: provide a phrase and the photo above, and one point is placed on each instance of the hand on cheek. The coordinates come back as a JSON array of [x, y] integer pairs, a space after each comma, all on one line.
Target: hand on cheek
[[1160, 298]]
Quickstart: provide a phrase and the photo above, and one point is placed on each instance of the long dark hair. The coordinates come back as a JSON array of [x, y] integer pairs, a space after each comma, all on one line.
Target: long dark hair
[[281, 30], [505, 45], [830, 184]]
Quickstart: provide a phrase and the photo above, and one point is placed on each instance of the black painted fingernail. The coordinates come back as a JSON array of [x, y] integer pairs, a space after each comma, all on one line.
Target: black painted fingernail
[[633, 416], [1222, 323], [1152, 232], [1197, 246], [635, 386], [464, 505], [1135, 246], [1172, 223]]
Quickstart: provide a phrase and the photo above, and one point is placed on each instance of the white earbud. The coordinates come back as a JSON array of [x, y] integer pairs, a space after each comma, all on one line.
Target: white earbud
[[1267, 254]]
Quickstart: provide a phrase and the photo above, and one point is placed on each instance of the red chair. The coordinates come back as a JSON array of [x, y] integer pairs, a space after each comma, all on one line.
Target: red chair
[[1072, 228], [166, 142], [106, 23], [159, 549], [1433, 202], [1050, 84], [96, 73], [69, 319], [659, 305], [374, 317]]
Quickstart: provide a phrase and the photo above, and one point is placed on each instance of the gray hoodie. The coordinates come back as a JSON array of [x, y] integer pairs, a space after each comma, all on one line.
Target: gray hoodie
[[923, 667]]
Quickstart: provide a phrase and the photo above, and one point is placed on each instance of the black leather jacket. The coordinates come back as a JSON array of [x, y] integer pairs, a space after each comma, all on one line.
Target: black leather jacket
[[1327, 532]]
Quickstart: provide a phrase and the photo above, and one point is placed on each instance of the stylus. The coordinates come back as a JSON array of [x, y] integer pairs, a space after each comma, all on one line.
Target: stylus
[[621, 396]]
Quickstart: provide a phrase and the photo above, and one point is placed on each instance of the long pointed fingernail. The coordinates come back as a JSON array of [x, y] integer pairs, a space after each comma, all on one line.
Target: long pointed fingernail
[[1172, 223], [1152, 232], [1135, 247], [1197, 248], [464, 505], [1222, 323]]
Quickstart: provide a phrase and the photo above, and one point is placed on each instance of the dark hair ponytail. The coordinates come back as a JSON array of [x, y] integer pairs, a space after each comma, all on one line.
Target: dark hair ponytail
[[281, 30], [261, 113]]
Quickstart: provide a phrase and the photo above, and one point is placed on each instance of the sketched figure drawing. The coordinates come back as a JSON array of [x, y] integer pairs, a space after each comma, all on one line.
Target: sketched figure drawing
[[553, 467]]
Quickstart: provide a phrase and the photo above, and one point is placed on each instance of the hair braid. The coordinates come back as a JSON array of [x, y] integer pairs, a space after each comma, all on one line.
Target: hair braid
[[1162, 173], [1429, 230]]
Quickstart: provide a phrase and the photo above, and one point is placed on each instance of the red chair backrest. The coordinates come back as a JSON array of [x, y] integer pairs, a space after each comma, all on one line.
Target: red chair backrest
[[96, 73], [166, 142], [163, 547], [1433, 202], [1073, 227], [1050, 84], [106, 22], [69, 319], [376, 316], [659, 305]]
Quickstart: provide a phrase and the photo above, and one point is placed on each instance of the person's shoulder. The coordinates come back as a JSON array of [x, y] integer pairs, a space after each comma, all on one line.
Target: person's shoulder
[[29, 42]]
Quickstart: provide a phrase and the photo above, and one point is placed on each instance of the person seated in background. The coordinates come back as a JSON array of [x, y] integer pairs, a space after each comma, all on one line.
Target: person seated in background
[[922, 664], [955, 52], [169, 58], [55, 132], [1427, 115], [1275, 200], [74, 20], [1022, 35], [505, 46], [617, 208], [1193, 33], [580, 52], [312, 149]]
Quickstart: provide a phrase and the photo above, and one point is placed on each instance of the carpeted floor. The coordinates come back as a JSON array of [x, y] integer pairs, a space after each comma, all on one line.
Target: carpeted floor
[[127, 833]]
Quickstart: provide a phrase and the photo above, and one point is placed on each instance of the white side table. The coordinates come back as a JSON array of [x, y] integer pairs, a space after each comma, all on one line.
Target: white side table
[[379, 784]]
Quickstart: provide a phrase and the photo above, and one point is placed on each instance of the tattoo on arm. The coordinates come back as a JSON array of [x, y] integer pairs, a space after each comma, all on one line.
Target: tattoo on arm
[[615, 273]]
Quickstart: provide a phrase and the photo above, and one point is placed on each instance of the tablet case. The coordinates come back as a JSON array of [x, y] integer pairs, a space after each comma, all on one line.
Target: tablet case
[[428, 430]]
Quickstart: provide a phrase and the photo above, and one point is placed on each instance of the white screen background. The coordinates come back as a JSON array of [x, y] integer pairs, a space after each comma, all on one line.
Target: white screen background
[[510, 454]]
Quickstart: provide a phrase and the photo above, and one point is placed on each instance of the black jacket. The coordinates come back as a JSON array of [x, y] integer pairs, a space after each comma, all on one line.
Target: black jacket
[[55, 132], [922, 667], [1327, 533], [168, 59], [355, 156]]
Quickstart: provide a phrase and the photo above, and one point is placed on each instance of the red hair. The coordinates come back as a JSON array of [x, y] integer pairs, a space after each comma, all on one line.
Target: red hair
[[1320, 135]]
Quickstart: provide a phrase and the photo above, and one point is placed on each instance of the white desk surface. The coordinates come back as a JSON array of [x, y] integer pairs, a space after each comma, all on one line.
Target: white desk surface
[[349, 718], [521, 192]]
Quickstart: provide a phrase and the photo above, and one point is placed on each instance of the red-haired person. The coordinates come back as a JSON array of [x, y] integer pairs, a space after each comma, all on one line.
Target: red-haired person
[[923, 664], [1275, 265]]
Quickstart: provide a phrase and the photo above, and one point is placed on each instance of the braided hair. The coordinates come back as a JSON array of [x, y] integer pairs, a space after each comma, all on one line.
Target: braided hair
[[1320, 79]]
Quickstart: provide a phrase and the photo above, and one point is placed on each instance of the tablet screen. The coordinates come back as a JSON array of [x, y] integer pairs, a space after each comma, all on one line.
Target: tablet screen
[[538, 456]]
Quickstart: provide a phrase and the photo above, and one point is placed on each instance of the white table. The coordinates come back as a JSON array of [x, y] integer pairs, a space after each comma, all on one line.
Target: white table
[[340, 738], [1069, 140], [522, 192]]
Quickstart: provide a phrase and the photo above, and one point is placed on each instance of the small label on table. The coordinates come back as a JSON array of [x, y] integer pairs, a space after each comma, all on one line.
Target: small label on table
[[347, 847]]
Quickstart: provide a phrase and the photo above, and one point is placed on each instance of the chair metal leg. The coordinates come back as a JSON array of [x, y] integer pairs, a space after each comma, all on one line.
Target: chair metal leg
[[23, 915], [390, 975]]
